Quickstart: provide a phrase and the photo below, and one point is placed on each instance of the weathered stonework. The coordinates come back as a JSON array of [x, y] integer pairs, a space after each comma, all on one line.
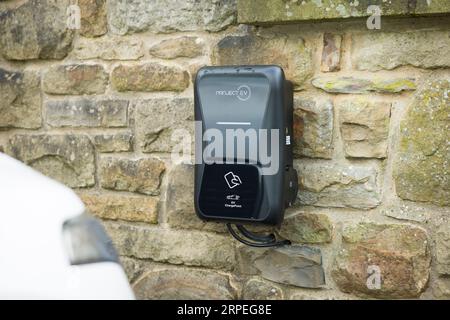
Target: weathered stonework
[[317, 294], [132, 16], [134, 268], [67, 158], [443, 249], [280, 11], [93, 17], [257, 289], [326, 184], [179, 201], [307, 228], [158, 119], [184, 283], [108, 48], [193, 69], [122, 207], [141, 176], [441, 289], [422, 168], [399, 252], [185, 47], [149, 77], [294, 265], [192, 248], [35, 30], [426, 49], [313, 127], [119, 142], [287, 52], [75, 79], [364, 127], [87, 113], [369, 146], [331, 52], [363, 85], [21, 101], [404, 211]]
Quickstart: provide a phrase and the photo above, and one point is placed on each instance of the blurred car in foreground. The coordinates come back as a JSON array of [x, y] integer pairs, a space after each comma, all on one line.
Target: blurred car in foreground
[[50, 248]]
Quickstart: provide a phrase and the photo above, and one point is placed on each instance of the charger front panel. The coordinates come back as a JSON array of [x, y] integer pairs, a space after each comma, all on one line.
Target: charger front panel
[[230, 185]]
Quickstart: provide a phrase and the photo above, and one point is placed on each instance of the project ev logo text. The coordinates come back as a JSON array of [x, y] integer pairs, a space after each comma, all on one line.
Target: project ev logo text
[[243, 92]]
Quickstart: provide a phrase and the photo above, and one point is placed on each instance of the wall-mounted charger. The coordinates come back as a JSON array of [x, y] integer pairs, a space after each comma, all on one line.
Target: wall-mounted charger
[[244, 172]]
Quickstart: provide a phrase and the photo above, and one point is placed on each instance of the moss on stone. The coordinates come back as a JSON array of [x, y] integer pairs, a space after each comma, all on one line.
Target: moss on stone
[[422, 170], [395, 85], [308, 228], [363, 85], [282, 11]]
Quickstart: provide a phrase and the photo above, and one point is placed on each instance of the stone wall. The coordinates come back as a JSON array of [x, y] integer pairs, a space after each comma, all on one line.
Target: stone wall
[[95, 109]]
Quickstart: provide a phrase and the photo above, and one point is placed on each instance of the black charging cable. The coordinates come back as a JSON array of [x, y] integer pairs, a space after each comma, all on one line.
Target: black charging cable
[[254, 236], [259, 241]]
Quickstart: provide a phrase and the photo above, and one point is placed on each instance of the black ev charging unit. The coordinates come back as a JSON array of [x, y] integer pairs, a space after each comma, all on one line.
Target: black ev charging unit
[[246, 113]]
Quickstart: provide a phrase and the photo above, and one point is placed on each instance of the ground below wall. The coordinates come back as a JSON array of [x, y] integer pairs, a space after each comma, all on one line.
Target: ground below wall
[[97, 108]]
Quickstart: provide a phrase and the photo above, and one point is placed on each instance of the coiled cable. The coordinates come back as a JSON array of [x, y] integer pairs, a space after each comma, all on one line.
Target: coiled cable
[[259, 241]]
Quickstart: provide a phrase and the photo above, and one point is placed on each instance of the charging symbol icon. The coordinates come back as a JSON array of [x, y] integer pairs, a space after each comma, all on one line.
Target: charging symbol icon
[[232, 180]]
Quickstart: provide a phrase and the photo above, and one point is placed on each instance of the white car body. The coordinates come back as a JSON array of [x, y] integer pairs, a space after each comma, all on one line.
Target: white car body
[[34, 262]]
